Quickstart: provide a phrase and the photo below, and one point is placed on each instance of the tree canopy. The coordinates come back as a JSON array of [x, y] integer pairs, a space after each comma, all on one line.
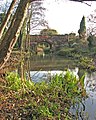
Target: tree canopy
[[48, 32]]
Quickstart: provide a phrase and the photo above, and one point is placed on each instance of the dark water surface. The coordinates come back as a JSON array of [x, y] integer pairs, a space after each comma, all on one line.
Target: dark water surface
[[44, 67], [50, 62]]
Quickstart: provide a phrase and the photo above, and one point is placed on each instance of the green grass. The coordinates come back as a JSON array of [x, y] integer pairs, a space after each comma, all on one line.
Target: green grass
[[47, 100]]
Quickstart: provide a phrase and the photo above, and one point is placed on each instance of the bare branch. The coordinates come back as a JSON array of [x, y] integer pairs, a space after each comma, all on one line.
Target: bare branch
[[83, 1]]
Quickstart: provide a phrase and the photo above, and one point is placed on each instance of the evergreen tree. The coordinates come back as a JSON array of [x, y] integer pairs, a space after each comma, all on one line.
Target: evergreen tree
[[82, 30]]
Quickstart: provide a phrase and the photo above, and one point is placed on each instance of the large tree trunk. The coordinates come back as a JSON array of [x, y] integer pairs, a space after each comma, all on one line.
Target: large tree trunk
[[12, 34], [7, 17]]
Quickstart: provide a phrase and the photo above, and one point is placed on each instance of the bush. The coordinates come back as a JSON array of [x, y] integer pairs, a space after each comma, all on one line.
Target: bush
[[65, 51]]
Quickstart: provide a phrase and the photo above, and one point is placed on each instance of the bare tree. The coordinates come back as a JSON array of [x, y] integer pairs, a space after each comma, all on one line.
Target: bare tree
[[35, 20], [92, 23], [38, 16], [7, 17], [13, 31], [81, 0], [12, 34]]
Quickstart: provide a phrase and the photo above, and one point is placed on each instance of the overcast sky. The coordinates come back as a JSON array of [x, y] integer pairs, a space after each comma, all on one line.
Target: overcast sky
[[65, 16]]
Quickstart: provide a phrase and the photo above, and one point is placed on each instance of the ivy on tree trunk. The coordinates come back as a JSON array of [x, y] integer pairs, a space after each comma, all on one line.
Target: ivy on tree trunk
[[12, 34]]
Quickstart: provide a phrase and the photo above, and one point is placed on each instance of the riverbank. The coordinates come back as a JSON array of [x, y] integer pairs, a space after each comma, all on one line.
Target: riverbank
[[41, 101]]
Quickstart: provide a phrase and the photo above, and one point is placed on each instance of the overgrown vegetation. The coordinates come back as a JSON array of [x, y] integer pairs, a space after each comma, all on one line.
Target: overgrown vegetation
[[49, 100]]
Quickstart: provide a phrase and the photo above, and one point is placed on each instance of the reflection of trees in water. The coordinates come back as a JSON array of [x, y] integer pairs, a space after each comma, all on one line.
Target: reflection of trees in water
[[90, 83], [85, 110], [77, 110]]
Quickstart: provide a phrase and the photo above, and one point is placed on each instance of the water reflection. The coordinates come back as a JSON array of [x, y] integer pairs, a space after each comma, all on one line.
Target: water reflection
[[50, 62], [43, 68], [90, 84], [86, 110], [90, 78], [38, 76]]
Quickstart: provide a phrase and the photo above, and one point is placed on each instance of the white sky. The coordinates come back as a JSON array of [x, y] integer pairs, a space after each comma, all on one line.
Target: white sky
[[64, 15]]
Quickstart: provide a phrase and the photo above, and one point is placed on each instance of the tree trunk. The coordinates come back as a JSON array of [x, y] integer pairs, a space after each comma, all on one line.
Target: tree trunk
[[7, 17], [12, 34]]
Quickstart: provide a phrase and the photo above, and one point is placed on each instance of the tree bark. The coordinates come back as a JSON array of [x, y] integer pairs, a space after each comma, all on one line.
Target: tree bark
[[7, 17], [12, 34]]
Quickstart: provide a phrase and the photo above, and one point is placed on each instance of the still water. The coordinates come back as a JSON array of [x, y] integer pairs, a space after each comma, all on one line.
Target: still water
[[87, 110], [43, 68]]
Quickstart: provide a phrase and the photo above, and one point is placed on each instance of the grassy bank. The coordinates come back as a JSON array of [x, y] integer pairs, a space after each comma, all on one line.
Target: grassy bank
[[23, 99]]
